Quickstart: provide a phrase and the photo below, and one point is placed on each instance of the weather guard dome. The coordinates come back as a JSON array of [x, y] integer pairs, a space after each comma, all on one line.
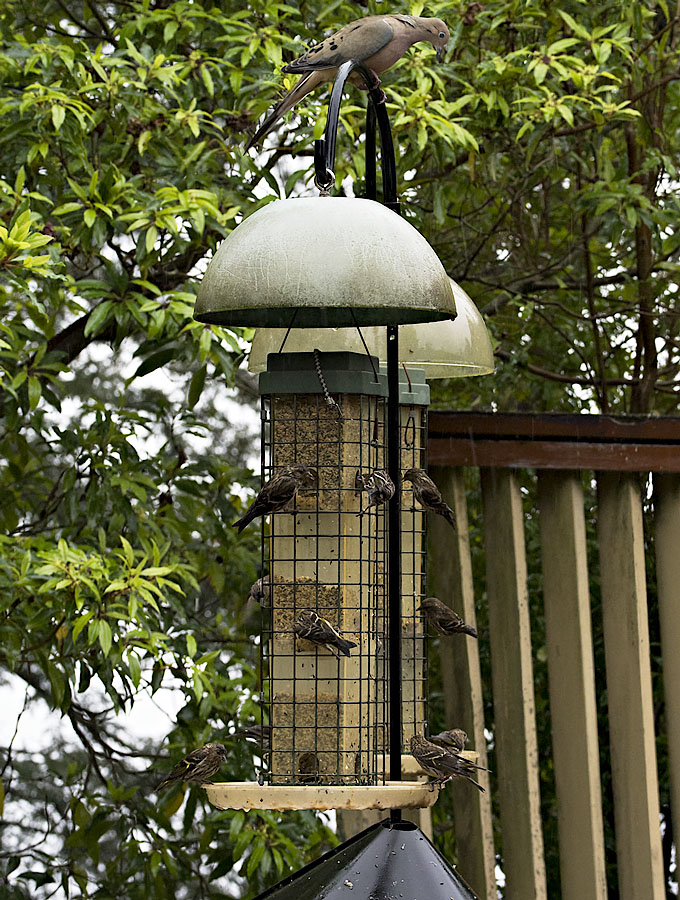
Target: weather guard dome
[[453, 349], [320, 262]]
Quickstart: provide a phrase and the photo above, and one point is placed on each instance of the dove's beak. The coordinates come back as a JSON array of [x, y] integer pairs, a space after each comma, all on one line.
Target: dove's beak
[[441, 52]]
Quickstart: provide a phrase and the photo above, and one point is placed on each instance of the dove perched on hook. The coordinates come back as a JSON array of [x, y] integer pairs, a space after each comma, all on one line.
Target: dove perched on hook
[[376, 41]]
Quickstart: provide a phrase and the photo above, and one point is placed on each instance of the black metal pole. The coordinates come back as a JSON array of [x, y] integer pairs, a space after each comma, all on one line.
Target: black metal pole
[[324, 162], [394, 558], [371, 183]]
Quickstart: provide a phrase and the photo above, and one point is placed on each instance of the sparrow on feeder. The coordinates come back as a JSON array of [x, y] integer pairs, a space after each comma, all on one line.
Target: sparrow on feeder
[[428, 495], [455, 738], [379, 485], [199, 765], [443, 619], [441, 763], [311, 627], [277, 492]]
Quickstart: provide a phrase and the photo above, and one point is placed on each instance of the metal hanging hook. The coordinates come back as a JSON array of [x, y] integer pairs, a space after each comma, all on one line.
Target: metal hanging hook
[[324, 148]]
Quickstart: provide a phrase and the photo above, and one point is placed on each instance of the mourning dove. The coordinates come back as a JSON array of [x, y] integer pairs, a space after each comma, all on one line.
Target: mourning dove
[[376, 41]]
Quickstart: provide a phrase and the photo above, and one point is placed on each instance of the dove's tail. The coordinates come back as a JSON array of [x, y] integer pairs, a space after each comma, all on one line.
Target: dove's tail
[[304, 86]]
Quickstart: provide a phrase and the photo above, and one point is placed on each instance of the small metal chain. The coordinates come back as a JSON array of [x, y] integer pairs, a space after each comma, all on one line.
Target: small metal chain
[[322, 381]]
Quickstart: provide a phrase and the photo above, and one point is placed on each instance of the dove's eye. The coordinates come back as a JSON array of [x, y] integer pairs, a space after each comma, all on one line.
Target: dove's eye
[[441, 34]]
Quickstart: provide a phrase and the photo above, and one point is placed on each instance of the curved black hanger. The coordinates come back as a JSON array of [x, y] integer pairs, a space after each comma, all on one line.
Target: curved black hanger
[[324, 148]]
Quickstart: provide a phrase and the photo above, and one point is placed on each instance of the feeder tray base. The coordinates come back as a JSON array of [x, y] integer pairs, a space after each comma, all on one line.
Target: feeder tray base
[[391, 795]]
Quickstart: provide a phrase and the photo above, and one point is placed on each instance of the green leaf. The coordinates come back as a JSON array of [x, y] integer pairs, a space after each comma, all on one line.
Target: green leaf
[[34, 391], [98, 317], [207, 80], [135, 669], [191, 646], [196, 386], [155, 361], [89, 216], [58, 115], [105, 637], [255, 857], [237, 821]]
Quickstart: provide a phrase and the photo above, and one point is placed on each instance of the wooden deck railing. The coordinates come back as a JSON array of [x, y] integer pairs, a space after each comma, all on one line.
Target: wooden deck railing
[[557, 451]]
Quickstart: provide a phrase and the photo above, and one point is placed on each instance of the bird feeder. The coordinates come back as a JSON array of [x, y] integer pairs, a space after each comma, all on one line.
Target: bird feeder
[[339, 717], [330, 715]]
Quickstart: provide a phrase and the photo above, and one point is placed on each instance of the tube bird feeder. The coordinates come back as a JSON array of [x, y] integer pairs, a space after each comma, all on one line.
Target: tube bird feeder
[[339, 706]]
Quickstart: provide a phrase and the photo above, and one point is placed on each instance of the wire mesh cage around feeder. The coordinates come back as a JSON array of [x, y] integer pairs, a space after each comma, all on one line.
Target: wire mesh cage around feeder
[[328, 704], [326, 708]]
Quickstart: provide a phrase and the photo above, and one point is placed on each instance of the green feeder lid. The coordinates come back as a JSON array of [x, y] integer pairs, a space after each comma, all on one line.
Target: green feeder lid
[[320, 262]]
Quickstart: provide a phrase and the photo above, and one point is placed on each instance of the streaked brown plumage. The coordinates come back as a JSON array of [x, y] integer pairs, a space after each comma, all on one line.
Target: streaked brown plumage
[[199, 765], [376, 41], [428, 495], [260, 591], [443, 619], [454, 738], [440, 762], [311, 627], [277, 492], [380, 488]]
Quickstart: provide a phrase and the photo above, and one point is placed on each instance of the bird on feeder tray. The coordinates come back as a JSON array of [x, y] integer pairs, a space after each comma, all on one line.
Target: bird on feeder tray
[[443, 764], [376, 41], [311, 627], [379, 485], [199, 765], [277, 492], [443, 619], [428, 495], [455, 738]]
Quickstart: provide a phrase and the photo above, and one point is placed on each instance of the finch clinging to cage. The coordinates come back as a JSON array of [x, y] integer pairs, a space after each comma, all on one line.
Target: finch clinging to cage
[[442, 763], [277, 492], [311, 627], [455, 738], [379, 485], [444, 620], [428, 495], [199, 765], [260, 591]]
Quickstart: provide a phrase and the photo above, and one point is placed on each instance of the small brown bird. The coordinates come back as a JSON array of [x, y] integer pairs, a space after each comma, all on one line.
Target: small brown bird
[[441, 763], [199, 765], [427, 494], [380, 488], [260, 591], [455, 738], [277, 492], [308, 768], [311, 627], [376, 41], [444, 620]]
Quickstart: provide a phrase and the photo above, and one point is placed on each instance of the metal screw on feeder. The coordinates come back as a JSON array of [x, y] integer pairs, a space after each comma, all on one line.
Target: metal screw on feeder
[[365, 266]]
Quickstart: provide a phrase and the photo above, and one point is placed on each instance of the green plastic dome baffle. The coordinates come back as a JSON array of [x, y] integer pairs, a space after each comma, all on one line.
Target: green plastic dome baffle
[[331, 261], [387, 861], [455, 349]]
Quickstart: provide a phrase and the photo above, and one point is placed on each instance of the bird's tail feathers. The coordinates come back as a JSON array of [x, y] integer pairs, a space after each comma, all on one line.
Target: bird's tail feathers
[[345, 646], [448, 514], [300, 90], [246, 520]]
